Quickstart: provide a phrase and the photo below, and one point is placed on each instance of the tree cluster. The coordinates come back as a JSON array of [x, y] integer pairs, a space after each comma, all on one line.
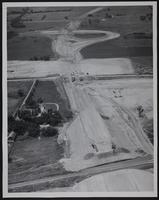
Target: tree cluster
[[49, 118], [148, 17], [49, 132], [17, 23], [40, 58], [30, 124]]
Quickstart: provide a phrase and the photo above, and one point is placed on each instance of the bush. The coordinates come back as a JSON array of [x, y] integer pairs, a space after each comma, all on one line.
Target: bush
[[140, 151]]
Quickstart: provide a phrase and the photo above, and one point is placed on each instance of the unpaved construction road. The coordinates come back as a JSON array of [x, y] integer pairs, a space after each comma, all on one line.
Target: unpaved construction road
[[71, 51]]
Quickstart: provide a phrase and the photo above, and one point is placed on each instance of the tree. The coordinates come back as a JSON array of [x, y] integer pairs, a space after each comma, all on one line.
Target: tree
[[45, 118], [142, 18], [11, 123], [33, 129], [46, 58], [55, 119], [20, 93], [32, 103], [90, 15], [50, 111], [50, 132], [140, 110], [114, 147], [35, 58], [25, 115], [20, 127]]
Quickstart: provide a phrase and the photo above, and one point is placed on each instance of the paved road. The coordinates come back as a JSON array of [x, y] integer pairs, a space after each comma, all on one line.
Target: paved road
[[139, 163], [33, 78], [100, 77]]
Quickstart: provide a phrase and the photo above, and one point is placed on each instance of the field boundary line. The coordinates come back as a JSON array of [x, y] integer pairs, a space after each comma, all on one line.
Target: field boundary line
[[33, 85]]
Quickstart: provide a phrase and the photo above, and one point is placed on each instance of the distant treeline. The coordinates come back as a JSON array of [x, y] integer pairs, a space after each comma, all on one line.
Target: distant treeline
[[15, 12], [39, 11], [45, 11], [40, 58], [17, 22], [139, 35]]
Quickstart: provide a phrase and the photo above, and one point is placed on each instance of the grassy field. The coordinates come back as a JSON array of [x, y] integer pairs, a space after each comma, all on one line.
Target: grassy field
[[33, 159], [104, 50], [37, 18], [14, 100], [24, 48], [49, 92], [126, 21], [43, 18], [51, 13]]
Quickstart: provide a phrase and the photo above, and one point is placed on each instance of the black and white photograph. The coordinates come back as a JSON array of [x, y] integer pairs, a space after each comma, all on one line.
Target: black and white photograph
[[80, 99]]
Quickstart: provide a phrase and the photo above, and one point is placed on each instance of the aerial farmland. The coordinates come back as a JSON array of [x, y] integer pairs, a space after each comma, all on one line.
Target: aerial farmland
[[80, 99]]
